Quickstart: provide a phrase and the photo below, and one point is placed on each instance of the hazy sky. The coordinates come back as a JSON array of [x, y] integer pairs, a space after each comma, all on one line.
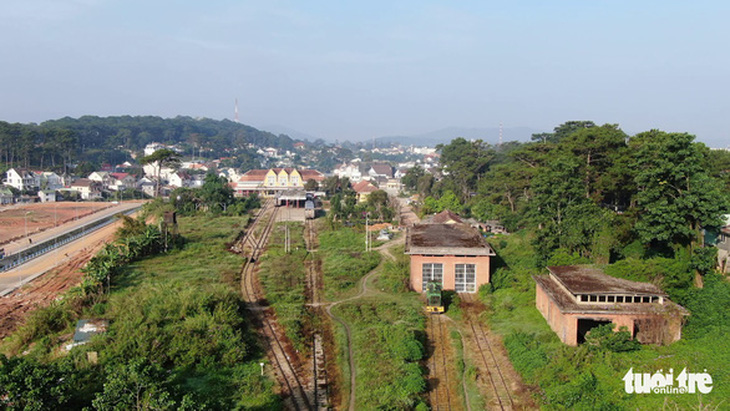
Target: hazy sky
[[355, 70]]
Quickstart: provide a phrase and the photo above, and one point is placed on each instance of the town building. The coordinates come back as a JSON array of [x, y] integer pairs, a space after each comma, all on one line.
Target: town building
[[363, 190], [380, 172], [574, 299], [121, 181], [350, 171], [88, 189], [6, 196], [22, 179], [180, 179], [454, 255], [269, 183]]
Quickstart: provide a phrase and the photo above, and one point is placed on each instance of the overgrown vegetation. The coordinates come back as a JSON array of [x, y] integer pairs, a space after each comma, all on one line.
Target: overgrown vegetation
[[388, 339], [344, 261], [589, 376], [178, 337], [283, 277]]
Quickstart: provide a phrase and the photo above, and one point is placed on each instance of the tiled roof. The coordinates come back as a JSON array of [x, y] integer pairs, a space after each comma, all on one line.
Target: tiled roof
[[582, 279]]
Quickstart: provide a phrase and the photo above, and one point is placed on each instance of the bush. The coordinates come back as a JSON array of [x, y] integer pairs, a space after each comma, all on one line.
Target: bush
[[604, 338]]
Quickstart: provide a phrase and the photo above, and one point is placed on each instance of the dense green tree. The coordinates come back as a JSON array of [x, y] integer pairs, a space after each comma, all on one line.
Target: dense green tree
[[161, 158], [676, 196], [464, 162], [595, 148], [311, 185], [215, 193], [410, 180], [29, 385]]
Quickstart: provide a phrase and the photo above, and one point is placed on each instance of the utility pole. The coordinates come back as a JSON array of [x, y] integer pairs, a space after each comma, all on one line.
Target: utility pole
[[367, 236]]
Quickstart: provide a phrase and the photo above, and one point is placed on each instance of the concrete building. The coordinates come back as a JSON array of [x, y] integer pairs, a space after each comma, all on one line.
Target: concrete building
[[22, 179], [575, 299], [453, 255], [363, 190], [269, 183]]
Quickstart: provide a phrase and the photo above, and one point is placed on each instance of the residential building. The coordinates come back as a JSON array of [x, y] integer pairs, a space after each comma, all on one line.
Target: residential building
[[121, 181], [22, 179], [454, 255], [47, 196], [350, 171], [6, 196], [88, 189], [363, 190], [180, 179], [382, 171], [574, 299], [50, 180]]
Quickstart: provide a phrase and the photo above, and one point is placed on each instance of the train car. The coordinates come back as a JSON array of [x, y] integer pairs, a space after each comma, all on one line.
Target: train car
[[310, 212], [434, 303]]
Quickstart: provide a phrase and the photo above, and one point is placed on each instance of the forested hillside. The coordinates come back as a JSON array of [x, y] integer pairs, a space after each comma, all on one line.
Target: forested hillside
[[110, 139]]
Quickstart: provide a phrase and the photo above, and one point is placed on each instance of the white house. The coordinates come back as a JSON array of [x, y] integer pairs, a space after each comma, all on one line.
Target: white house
[[101, 177], [180, 179], [150, 170], [121, 181], [152, 147], [351, 171], [147, 186], [88, 189], [22, 179], [50, 180], [47, 196]]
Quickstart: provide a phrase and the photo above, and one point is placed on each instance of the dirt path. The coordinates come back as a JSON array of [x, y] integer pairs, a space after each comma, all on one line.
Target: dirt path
[[364, 290]]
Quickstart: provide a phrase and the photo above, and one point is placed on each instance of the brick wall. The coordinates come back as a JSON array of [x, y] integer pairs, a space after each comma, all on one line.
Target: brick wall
[[449, 262]]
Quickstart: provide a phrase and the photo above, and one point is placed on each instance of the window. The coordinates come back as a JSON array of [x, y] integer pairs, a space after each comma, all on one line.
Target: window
[[295, 181], [465, 277], [282, 181], [432, 273], [272, 180]]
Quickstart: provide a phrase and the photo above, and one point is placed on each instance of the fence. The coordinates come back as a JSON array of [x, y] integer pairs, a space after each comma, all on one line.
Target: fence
[[23, 256]]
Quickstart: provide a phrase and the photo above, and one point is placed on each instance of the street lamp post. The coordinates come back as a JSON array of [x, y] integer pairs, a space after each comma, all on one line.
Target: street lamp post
[[26, 222]]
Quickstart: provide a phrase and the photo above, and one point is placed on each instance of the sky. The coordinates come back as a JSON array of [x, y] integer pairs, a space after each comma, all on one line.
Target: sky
[[358, 70]]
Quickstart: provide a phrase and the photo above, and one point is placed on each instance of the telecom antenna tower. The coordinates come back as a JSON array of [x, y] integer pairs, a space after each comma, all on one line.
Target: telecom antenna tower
[[235, 118], [500, 133]]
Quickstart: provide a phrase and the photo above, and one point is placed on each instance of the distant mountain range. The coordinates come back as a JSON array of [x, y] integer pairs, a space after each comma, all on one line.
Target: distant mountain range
[[445, 135]]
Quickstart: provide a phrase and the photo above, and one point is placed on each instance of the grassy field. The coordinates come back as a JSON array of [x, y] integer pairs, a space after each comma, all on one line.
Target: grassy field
[[181, 314], [344, 261], [388, 336], [585, 378]]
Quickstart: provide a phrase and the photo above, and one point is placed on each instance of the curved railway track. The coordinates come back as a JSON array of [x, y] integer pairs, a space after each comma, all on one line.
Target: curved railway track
[[297, 398], [439, 395], [502, 398]]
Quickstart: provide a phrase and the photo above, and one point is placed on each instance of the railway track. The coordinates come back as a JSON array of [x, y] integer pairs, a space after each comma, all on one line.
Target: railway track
[[501, 396], [439, 395], [319, 365], [296, 395]]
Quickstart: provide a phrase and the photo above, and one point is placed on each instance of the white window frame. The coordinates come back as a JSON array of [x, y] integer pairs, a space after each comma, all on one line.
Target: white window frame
[[462, 272], [432, 272]]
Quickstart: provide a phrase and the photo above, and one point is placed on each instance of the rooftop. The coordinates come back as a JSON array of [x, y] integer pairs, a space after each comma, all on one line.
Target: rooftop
[[581, 279], [446, 239], [567, 304]]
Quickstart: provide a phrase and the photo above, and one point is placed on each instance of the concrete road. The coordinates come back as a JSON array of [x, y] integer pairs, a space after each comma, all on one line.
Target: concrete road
[[16, 277], [20, 245]]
